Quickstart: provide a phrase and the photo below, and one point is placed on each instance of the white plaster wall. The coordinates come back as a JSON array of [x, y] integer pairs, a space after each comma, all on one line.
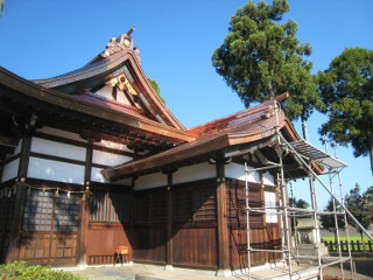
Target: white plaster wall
[[96, 175], [17, 150], [194, 172], [113, 145], [106, 91], [55, 171], [151, 181], [10, 170], [270, 201], [61, 133], [121, 98], [108, 159], [268, 179], [58, 149], [237, 171]]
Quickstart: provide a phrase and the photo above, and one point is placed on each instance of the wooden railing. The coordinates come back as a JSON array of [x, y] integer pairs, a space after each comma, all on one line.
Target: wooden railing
[[356, 246]]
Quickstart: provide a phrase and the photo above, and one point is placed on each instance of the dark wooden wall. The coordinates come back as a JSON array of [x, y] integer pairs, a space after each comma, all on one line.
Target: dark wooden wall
[[262, 235], [109, 225], [6, 216], [140, 220]]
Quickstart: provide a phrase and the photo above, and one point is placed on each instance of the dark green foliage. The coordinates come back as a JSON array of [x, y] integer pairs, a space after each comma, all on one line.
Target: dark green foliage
[[361, 206], [155, 86], [261, 58], [20, 271], [2, 2], [347, 89], [327, 221], [298, 203]]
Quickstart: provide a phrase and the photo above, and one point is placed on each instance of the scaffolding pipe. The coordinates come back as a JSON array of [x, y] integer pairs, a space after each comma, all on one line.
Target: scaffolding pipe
[[335, 215], [326, 188]]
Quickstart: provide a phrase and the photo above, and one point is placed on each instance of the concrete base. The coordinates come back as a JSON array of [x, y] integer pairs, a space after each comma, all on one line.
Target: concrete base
[[169, 267], [224, 273]]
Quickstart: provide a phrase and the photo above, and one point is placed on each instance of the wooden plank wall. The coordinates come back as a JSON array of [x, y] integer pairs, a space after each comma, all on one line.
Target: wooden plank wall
[[194, 228], [109, 225], [262, 235]]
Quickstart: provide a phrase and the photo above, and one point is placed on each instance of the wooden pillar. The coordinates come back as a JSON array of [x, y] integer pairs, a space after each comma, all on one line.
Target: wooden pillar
[[223, 241], [15, 234], [85, 209], [169, 245]]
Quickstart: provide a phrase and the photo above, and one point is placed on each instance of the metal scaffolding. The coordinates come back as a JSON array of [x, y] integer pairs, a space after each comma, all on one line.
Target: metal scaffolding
[[306, 154]]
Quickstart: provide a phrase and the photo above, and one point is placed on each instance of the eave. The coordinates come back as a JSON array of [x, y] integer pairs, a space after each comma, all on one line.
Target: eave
[[102, 71], [202, 147], [15, 87]]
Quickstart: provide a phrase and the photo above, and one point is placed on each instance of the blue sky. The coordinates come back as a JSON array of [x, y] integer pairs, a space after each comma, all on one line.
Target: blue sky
[[44, 38]]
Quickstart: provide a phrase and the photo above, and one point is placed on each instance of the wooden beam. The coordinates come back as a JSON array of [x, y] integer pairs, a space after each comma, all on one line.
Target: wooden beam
[[223, 241], [84, 210], [169, 249]]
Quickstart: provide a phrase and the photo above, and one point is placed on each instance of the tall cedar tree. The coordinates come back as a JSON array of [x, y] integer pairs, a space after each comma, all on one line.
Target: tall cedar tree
[[347, 89], [361, 207], [261, 58]]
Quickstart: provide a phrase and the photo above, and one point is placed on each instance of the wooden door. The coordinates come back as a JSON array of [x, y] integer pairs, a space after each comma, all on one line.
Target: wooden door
[[50, 228]]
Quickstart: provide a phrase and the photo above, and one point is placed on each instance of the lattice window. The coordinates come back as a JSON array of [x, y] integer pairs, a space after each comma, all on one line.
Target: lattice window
[[38, 210], [66, 212], [45, 211]]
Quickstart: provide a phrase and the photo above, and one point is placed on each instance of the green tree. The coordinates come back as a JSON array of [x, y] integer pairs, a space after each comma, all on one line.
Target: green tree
[[360, 205], [261, 58], [328, 222], [346, 88], [298, 203], [155, 86], [2, 2]]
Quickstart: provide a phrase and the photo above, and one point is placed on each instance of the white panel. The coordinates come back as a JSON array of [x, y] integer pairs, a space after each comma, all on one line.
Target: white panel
[[109, 159], [194, 172], [17, 150], [121, 98], [237, 171], [270, 201], [96, 175], [106, 91], [268, 179], [58, 149], [10, 170], [151, 181], [61, 133], [55, 171], [113, 145]]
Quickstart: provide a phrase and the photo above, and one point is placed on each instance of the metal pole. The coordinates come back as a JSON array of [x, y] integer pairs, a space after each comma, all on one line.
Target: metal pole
[[334, 210], [284, 197], [326, 188], [347, 231], [248, 246], [314, 208]]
